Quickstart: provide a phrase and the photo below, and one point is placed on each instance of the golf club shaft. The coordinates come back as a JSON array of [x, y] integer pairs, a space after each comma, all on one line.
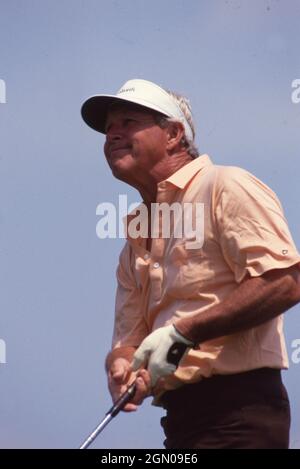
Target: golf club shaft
[[115, 409], [174, 356], [96, 432]]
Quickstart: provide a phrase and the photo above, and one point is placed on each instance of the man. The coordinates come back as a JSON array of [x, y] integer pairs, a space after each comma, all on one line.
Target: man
[[220, 300]]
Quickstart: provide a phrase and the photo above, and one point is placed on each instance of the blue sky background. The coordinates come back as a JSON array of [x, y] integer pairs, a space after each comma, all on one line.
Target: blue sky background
[[235, 60]]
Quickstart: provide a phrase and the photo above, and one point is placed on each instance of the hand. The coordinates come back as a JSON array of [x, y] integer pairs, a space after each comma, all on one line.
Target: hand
[[161, 352], [120, 376]]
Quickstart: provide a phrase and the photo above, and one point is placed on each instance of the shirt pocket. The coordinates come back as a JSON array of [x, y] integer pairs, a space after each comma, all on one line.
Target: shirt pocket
[[182, 253], [185, 271]]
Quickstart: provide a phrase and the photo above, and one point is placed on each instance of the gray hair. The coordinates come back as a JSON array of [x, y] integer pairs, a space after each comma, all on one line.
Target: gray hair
[[185, 106]]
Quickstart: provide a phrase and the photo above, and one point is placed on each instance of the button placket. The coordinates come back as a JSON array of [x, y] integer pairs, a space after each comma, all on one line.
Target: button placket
[[158, 248], [156, 280]]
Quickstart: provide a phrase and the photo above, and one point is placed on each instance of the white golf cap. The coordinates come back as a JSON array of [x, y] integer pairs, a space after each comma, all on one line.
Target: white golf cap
[[142, 92]]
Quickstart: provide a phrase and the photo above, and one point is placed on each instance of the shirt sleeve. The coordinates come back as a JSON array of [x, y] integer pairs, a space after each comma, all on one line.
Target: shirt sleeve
[[130, 327], [253, 232]]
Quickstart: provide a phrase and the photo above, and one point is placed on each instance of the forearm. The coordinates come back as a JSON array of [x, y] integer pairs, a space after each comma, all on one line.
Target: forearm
[[254, 302]]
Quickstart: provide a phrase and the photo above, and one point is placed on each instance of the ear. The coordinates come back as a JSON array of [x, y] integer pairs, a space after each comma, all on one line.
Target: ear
[[175, 132]]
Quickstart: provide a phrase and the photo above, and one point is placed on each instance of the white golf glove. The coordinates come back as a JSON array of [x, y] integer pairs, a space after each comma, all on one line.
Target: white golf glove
[[161, 351]]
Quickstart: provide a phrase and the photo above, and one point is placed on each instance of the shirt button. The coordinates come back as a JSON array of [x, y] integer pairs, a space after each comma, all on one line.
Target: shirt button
[[146, 256], [156, 265]]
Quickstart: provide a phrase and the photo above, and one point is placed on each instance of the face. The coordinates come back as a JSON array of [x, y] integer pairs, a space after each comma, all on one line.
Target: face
[[134, 142]]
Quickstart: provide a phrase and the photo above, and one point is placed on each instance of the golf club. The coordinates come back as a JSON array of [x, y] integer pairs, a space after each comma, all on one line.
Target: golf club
[[174, 356], [113, 411]]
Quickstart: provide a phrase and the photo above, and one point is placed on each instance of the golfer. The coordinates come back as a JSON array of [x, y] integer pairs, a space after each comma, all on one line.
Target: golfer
[[207, 271]]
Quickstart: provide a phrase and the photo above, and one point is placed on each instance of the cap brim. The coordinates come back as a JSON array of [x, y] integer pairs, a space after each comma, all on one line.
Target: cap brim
[[94, 110]]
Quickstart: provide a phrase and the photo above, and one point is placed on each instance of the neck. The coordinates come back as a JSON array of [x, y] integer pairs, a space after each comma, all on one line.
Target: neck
[[169, 165], [160, 172]]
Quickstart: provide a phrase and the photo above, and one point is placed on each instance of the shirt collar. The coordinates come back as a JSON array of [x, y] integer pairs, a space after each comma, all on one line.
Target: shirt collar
[[180, 179]]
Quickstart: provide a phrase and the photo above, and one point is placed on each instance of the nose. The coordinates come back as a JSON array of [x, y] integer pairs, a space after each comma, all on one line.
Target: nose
[[114, 133]]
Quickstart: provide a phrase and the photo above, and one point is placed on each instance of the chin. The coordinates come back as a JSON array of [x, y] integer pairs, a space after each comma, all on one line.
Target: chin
[[121, 171], [123, 164], [124, 177]]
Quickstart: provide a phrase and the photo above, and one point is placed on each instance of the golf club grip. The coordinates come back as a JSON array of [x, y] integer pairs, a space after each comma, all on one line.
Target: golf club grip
[[176, 352], [122, 401], [174, 356]]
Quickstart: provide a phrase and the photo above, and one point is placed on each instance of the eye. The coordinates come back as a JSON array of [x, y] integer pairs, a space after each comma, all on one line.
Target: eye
[[128, 121], [107, 126], [123, 123]]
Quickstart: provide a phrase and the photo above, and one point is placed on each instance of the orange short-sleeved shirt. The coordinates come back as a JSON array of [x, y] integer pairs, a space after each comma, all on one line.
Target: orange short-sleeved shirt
[[244, 231]]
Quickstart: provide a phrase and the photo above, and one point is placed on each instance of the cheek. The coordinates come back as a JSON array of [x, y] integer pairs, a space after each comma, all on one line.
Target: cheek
[[137, 148], [152, 144], [105, 150], [158, 140]]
